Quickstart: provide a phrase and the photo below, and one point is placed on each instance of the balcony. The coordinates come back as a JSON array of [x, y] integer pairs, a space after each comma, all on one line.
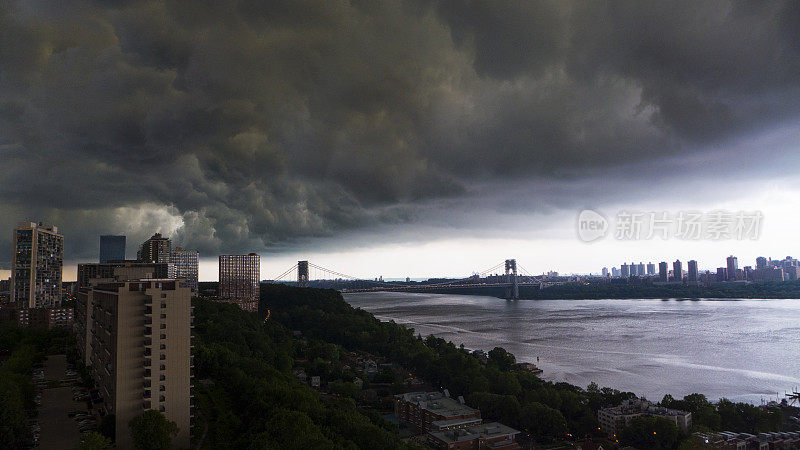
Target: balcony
[[146, 394], [146, 384], [148, 342], [146, 404], [148, 331]]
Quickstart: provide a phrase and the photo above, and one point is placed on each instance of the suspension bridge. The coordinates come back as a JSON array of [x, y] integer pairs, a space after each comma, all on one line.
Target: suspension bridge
[[507, 274]]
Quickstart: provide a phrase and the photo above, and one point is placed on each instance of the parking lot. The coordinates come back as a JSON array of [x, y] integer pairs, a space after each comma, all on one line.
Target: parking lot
[[58, 429]]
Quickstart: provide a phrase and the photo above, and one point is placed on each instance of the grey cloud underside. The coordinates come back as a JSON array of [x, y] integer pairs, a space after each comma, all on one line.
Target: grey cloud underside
[[252, 123]]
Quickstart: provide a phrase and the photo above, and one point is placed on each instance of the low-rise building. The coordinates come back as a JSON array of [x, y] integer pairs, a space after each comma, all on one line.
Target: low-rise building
[[728, 440], [421, 409], [46, 318], [479, 436], [614, 419]]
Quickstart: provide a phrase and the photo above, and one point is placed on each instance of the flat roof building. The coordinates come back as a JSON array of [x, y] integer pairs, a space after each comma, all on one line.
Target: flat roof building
[[491, 435], [239, 277], [112, 248], [692, 275], [157, 249], [614, 419], [119, 271], [186, 265], [36, 266], [423, 409], [138, 345]]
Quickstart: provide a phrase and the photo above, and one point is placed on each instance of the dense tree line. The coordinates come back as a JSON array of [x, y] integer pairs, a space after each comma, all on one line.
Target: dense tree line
[[22, 349], [248, 397], [501, 389]]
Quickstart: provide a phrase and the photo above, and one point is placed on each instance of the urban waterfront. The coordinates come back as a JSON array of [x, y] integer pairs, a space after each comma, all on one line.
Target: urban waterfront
[[744, 350]]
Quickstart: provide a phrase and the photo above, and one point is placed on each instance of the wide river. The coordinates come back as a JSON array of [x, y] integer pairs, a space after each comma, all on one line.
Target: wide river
[[744, 350]]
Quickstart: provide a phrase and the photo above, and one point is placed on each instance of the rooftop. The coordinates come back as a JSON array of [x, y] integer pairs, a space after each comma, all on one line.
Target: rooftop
[[485, 430], [438, 403]]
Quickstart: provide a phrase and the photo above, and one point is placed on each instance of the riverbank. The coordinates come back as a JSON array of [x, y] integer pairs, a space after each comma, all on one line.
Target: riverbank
[[744, 350]]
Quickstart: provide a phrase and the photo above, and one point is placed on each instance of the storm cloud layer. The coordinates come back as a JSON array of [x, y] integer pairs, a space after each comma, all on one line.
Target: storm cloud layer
[[243, 125]]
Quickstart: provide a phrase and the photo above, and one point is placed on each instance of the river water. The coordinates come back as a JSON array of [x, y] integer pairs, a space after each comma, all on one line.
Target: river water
[[744, 350]]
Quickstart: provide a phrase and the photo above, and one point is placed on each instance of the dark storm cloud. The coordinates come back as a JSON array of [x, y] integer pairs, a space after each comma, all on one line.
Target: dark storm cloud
[[238, 125]]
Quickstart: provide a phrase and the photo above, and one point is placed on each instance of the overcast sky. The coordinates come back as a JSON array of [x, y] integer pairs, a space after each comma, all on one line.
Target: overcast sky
[[397, 138]]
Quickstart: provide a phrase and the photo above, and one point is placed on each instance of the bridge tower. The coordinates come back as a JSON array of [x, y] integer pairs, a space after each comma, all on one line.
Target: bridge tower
[[302, 273], [512, 290]]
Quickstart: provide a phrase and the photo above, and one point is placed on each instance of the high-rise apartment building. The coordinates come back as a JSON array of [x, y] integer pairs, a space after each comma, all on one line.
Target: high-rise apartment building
[[677, 270], [112, 248], [624, 271], [640, 269], [663, 271], [761, 262], [239, 277], [604, 272], [186, 265], [693, 275], [137, 340], [732, 266], [651, 268], [156, 249], [36, 266]]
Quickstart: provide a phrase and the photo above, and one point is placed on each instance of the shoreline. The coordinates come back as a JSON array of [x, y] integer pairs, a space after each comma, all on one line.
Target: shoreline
[[570, 370]]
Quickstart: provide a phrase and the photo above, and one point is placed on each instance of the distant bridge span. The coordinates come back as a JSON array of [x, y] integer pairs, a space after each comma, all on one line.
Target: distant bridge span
[[511, 280]]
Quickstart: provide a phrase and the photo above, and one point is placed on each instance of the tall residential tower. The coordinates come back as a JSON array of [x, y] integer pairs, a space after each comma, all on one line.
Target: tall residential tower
[[239, 277], [186, 265], [36, 266], [157, 249]]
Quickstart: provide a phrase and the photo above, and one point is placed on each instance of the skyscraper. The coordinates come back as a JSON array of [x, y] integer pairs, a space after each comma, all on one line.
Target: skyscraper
[[640, 269], [761, 262], [239, 277], [186, 265], [634, 269], [156, 249], [663, 271], [733, 266], [112, 248], [693, 276], [677, 270], [136, 336], [625, 271], [651, 268], [605, 272], [36, 266]]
